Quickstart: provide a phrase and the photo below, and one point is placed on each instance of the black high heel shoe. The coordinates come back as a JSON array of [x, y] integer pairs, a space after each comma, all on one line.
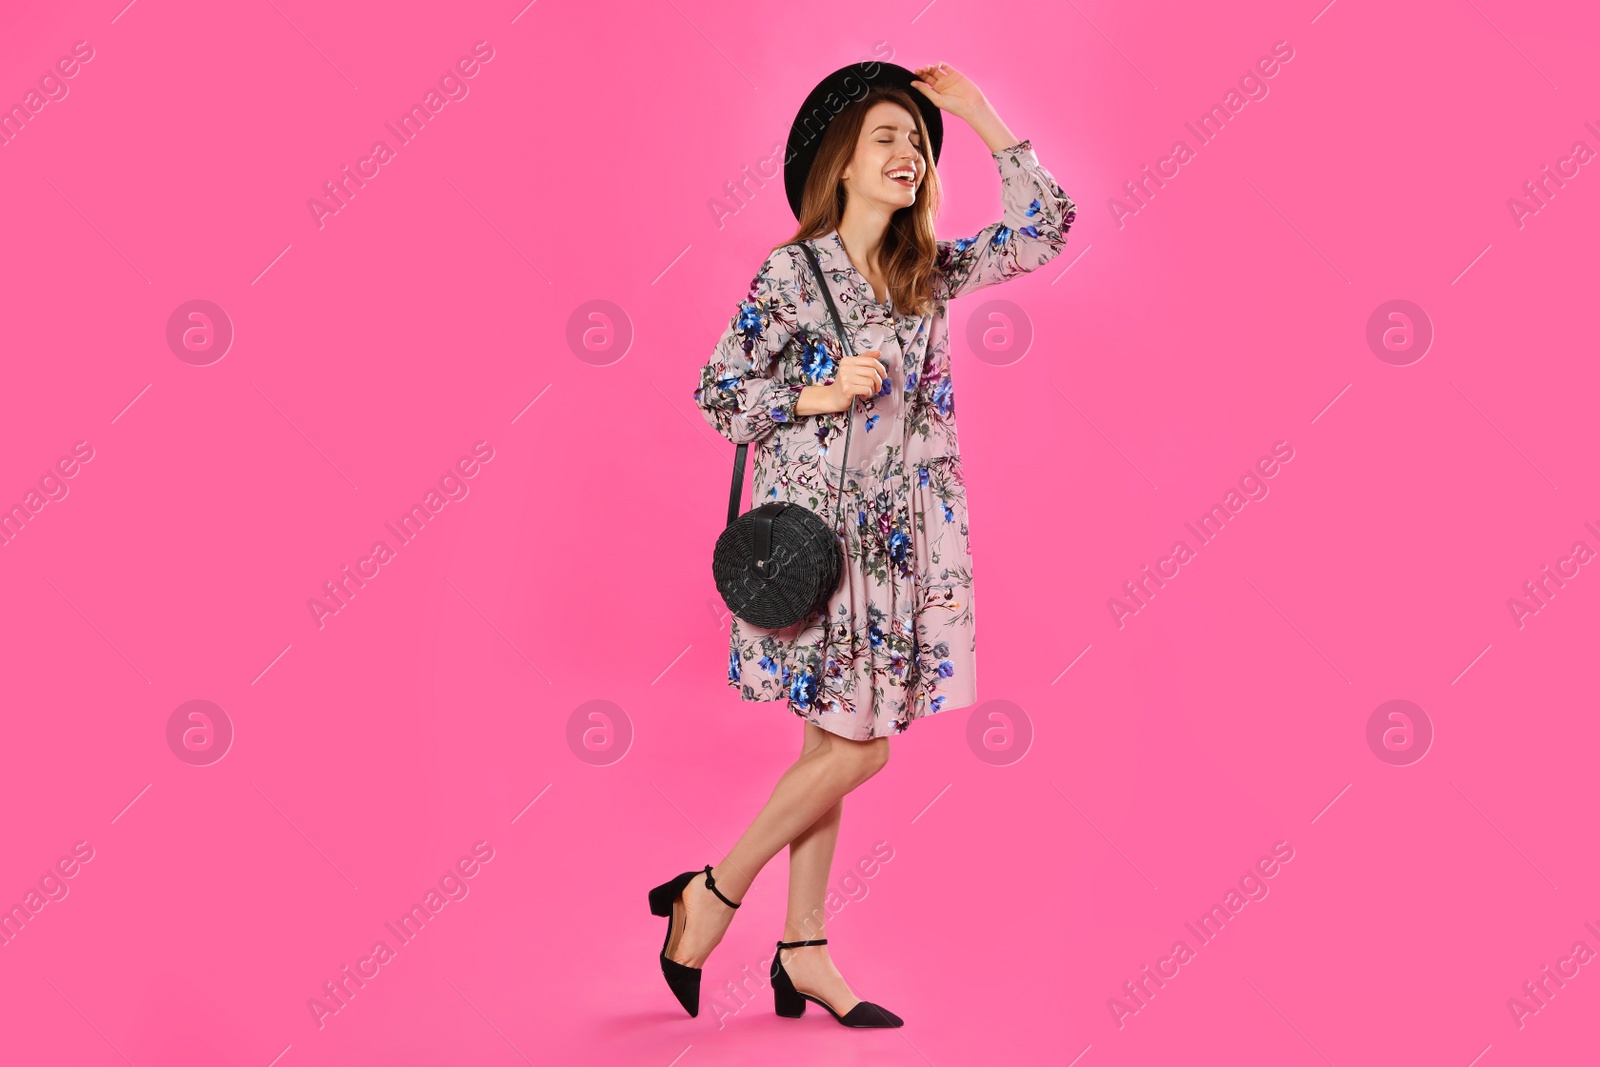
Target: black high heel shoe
[[791, 1003], [683, 981]]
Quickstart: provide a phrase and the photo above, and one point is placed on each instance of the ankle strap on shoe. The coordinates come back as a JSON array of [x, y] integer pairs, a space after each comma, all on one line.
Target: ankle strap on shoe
[[711, 884], [802, 944]]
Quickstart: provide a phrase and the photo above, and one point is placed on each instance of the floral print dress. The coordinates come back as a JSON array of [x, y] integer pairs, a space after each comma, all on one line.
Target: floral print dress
[[897, 640]]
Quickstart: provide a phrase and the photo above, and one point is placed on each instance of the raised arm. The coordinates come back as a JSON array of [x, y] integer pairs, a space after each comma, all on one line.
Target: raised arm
[[741, 393], [1032, 229], [1036, 215]]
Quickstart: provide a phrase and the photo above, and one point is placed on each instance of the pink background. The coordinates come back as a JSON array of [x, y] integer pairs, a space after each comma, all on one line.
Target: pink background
[[370, 354]]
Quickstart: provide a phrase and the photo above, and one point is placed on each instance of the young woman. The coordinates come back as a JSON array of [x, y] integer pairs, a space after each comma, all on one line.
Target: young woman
[[896, 642]]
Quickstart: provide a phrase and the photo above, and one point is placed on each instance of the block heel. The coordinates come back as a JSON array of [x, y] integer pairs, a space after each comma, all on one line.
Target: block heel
[[790, 1003], [664, 899]]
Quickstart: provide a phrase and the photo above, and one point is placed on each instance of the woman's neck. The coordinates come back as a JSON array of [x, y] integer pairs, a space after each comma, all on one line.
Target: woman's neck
[[862, 229]]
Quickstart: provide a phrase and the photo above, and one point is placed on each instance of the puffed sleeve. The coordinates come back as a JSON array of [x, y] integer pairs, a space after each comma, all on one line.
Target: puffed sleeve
[[741, 393], [1031, 232]]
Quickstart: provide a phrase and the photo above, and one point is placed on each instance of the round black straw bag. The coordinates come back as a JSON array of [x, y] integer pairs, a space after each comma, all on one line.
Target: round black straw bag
[[778, 563]]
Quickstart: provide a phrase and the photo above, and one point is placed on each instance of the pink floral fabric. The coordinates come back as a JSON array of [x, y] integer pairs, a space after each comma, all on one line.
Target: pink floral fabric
[[897, 641]]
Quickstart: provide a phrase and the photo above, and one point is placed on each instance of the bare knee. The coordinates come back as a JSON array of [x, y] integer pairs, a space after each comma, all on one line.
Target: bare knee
[[878, 754], [858, 760]]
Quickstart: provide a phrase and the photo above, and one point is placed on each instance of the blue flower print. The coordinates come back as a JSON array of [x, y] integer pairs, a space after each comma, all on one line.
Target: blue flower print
[[872, 420], [911, 383], [861, 517], [936, 704], [922, 476], [733, 665], [946, 668], [899, 543], [779, 415], [1029, 231], [963, 243], [1001, 236], [944, 397], [749, 323], [948, 514], [802, 687], [768, 664], [874, 634], [1033, 209], [816, 361], [888, 384]]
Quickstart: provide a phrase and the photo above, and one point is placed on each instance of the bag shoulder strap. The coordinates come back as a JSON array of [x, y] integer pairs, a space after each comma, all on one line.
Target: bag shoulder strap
[[742, 451]]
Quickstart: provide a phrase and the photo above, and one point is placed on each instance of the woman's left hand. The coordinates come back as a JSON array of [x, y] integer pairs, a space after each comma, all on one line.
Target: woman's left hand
[[958, 94], [950, 90]]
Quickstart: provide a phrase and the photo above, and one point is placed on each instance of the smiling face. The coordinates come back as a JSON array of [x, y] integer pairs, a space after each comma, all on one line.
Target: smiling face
[[888, 166]]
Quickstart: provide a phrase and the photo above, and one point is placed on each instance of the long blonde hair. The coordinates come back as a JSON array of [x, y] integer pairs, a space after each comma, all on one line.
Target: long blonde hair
[[909, 245]]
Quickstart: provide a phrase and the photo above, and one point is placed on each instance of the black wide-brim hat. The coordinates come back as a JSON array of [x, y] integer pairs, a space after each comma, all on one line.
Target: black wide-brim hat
[[831, 96]]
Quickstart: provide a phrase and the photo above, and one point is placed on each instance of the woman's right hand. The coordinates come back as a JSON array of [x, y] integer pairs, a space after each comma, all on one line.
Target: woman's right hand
[[861, 376]]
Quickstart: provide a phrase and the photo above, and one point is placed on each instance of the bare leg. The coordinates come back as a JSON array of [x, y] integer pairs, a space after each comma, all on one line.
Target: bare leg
[[810, 860], [828, 768]]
